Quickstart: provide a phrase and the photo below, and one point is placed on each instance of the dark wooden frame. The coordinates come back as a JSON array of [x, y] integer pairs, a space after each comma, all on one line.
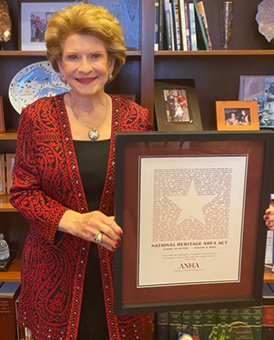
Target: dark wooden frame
[[194, 122], [129, 147]]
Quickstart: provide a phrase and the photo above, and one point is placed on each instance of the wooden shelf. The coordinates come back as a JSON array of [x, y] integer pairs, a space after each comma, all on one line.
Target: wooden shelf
[[215, 53], [16, 53], [13, 274], [5, 205], [8, 136]]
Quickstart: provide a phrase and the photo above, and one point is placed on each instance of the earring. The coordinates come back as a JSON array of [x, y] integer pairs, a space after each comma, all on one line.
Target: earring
[[62, 78], [110, 77]]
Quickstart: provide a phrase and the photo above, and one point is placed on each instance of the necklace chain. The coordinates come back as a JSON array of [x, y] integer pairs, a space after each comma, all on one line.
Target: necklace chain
[[93, 131]]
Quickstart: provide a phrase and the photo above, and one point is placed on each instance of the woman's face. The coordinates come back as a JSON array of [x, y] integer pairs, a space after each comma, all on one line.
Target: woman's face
[[85, 64]]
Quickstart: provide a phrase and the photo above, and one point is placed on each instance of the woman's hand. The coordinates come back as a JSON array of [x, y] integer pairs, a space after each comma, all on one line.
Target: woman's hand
[[269, 217], [89, 225]]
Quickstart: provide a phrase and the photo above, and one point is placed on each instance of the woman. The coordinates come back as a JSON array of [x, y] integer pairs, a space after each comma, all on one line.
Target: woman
[[63, 181]]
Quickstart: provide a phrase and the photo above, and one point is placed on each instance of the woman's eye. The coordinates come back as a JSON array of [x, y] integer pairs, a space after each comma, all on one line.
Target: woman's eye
[[94, 56], [72, 57]]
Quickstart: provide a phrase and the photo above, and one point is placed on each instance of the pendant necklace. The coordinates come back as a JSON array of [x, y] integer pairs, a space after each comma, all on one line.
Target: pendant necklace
[[93, 131]]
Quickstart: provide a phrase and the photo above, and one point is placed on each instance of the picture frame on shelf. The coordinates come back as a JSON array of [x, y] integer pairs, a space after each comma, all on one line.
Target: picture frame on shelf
[[2, 117], [2, 175], [31, 38], [10, 158], [260, 89], [176, 107], [237, 115]]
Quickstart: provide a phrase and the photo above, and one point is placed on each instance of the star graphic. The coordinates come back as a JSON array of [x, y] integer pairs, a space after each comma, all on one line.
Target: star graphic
[[191, 205]]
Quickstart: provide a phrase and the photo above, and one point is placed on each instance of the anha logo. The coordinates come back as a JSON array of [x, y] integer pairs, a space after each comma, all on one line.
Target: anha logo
[[192, 265]]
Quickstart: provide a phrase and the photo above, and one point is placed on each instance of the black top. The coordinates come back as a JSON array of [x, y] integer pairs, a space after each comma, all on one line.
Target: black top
[[92, 160]]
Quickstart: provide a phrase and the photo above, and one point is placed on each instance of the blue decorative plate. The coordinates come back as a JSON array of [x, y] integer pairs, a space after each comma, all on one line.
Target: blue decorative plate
[[33, 82]]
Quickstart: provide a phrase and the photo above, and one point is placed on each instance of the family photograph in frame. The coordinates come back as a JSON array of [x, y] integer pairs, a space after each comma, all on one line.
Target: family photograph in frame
[[176, 107], [33, 23], [237, 115]]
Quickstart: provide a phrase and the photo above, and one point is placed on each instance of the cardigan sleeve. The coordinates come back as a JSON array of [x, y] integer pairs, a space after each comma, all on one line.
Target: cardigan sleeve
[[26, 194]]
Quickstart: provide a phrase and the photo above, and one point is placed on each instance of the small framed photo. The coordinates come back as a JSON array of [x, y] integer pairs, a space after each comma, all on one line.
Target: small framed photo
[[2, 117], [10, 158], [237, 115], [176, 107], [33, 22], [2, 175]]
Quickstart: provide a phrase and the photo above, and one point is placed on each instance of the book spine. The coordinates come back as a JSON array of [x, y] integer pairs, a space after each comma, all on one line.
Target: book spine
[[7, 318], [172, 26], [257, 322], [161, 25], [198, 323], [209, 321], [182, 24], [192, 27], [175, 324], [175, 4], [156, 28], [162, 325], [200, 26], [168, 25], [187, 28], [202, 12], [269, 247]]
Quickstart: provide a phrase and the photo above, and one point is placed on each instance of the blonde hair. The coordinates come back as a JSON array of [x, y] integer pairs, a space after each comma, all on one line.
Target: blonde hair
[[85, 19]]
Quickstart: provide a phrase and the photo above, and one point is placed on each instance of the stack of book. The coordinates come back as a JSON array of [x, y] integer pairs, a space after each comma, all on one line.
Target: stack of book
[[181, 25], [169, 324]]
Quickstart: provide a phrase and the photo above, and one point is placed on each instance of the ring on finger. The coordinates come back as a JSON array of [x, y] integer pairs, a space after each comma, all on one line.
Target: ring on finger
[[99, 238]]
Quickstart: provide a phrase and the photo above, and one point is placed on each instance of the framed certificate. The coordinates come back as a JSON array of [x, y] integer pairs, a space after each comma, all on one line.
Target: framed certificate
[[191, 207]]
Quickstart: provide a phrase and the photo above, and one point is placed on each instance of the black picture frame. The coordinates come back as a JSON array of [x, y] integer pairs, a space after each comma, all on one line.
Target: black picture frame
[[182, 112], [130, 147]]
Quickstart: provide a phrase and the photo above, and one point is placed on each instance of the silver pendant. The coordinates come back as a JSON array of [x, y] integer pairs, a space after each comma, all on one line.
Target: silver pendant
[[93, 134]]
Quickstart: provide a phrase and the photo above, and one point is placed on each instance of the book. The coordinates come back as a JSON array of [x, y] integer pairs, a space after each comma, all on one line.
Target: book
[[175, 325], [209, 321], [156, 27], [269, 247], [257, 322], [172, 25], [177, 27], [202, 12], [161, 25], [162, 325], [168, 26], [188, 41], [8, 294], [182, 21], [202, 42], [268, 311], [192, 27]]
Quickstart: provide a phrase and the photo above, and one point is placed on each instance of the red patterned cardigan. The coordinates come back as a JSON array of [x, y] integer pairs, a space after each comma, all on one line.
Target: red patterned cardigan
[[46, 182]]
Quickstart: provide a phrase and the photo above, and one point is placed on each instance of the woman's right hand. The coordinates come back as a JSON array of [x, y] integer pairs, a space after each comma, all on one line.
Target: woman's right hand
[[269, 217], [89, 225]]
